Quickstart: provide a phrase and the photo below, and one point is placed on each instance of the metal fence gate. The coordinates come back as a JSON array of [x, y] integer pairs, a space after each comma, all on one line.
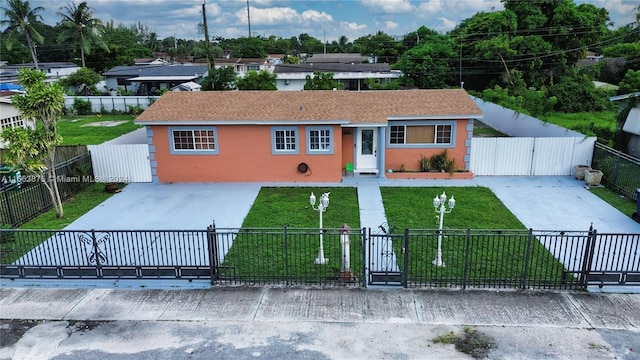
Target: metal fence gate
[[386, 257]]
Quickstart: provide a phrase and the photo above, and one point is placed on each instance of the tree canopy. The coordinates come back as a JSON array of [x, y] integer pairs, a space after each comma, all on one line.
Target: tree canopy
[[81, 28], [20, 20]]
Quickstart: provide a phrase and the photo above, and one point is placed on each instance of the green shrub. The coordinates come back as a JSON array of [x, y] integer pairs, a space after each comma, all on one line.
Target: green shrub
[[425, 163], [82, 107]]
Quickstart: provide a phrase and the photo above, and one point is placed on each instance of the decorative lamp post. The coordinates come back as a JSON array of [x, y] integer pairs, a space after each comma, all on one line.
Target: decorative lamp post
[[322, 207], [439, 205]]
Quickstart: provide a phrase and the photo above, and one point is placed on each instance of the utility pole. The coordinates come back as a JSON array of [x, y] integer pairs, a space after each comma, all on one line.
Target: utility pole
[[249, 18], [207, 49]]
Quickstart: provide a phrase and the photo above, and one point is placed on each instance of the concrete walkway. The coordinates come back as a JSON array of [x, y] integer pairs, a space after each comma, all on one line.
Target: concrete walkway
[[372, 216]]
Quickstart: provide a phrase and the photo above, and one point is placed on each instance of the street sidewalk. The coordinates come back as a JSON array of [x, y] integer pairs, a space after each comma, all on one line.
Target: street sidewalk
[[518, 320]]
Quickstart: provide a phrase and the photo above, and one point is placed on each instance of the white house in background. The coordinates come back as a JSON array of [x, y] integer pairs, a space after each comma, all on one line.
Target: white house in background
[[10, 117], [241, 66], [292, 77], [54, 70]]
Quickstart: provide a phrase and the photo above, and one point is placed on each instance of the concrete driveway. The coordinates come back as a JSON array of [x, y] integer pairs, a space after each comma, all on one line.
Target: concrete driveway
[[194, 206], [557, 203]]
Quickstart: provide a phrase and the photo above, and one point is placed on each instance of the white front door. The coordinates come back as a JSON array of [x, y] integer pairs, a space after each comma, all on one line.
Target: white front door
[[367, 150]]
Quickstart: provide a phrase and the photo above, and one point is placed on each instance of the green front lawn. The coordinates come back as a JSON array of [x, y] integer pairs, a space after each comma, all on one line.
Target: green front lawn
[[264, 256], [501, 257]]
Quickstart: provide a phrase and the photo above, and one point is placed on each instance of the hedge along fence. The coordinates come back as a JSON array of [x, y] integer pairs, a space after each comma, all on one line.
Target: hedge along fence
[[120, 104]]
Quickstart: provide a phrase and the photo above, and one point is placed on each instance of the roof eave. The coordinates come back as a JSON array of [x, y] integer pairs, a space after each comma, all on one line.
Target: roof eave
[[240, 122]]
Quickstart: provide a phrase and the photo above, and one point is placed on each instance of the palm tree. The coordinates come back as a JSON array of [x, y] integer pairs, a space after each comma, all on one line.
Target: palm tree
[[80, 27], [19, 20]]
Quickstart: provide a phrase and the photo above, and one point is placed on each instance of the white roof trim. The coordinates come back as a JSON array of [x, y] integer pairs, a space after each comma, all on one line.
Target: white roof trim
[[163, 78], [436, 117]]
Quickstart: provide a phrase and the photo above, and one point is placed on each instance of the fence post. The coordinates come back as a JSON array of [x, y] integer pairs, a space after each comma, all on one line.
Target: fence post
[[465, 269], [212, 244], [527, 254], [12, 221], [365, 259], [96, 254], [405, 254], [587, 257], [616, 170], [286, 257]]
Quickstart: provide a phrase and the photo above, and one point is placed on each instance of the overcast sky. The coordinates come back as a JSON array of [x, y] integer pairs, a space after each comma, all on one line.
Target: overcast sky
[[319, 18]]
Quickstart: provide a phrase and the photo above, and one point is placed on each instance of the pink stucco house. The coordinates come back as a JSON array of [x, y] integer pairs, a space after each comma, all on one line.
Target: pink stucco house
[[305, 136]]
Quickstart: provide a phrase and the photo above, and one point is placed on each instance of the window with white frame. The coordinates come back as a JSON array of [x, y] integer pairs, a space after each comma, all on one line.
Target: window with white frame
[[407, 134], [194, 140], [284, 140], [320, 140]]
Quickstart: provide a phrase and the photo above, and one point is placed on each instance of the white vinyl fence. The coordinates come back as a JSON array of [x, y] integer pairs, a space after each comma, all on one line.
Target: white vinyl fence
[[101, 104], [528, 156], [120, 163]]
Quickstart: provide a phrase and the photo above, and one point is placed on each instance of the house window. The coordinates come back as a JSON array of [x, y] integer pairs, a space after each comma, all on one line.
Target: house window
[[320, 140], [253, 67], [420, 134], [284, 140], [186, 140]]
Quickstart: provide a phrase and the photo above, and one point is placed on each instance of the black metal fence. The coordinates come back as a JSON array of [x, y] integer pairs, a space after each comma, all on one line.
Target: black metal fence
[[469, 258], [29, 198], [620, 171], [226, 256]]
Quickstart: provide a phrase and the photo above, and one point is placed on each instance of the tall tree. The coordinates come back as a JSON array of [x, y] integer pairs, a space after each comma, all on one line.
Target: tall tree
[[20, 19], [382, 46], [80, 27], [34, 150]]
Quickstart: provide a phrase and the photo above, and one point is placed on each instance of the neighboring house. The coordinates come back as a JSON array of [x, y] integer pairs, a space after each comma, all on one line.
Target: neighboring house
[[631, 124], [10, 117], [118, 77], [292, 77], [350, 58], [241, 66], [54, 70], [147, 79], [150, 61], [304, 136]]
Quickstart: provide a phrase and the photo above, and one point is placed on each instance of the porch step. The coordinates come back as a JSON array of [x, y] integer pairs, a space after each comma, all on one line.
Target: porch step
[[365, 171]]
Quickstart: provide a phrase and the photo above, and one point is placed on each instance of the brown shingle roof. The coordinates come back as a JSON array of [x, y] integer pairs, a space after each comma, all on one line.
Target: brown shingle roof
[[356, 107]]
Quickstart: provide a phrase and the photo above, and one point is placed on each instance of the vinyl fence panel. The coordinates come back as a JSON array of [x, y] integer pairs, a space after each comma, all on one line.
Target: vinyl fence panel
[[121, 163], [547, 156]]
